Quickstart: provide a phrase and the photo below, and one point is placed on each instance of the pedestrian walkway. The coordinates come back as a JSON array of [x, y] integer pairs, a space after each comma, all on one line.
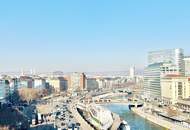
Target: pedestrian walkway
[[116, 122]]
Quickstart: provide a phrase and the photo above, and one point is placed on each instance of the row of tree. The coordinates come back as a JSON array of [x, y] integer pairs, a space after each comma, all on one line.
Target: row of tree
[[26, 94]]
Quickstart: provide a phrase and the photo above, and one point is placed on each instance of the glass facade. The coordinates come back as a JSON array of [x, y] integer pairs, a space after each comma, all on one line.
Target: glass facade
[[152, 80], [160, 64], [172, 56]]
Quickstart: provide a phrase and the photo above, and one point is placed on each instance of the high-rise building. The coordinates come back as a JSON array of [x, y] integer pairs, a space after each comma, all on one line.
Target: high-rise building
[[77, 82], [152, 80], [132, 72], [160, 64], [187, 65], [173, 56]]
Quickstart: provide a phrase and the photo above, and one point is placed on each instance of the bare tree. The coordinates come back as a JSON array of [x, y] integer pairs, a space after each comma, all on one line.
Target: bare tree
[[172, 112], [29, 94], [4, 128]]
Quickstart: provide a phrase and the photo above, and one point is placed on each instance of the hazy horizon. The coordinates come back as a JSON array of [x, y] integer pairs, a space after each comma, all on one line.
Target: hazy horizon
[[89, 36]]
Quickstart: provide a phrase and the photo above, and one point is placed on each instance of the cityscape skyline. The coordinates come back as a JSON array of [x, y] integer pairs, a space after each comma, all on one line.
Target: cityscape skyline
[[89, 36], [95, 65]]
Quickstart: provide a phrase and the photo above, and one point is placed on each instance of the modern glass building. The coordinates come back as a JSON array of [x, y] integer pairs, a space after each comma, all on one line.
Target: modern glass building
[[152, 76], [173, 56], [160, 64]]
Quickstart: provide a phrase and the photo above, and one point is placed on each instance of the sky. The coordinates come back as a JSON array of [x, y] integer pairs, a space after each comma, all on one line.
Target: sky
[[89, 35]]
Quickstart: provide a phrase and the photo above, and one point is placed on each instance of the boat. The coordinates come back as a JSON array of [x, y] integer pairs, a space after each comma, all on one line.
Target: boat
[[124, 126], [99, 117]]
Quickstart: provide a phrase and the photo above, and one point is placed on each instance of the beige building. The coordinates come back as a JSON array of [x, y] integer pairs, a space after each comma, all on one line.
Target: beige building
[[77, 82], [174, 88], [58, 84]]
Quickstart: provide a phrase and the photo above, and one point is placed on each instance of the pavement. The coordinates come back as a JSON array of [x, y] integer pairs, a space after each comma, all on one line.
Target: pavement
[[117, 122]]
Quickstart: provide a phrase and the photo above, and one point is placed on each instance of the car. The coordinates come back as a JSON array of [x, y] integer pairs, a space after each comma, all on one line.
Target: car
[[77, 124], [63, 124]]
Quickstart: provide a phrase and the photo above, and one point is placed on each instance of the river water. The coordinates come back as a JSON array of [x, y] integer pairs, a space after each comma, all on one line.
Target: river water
[[136, 122]]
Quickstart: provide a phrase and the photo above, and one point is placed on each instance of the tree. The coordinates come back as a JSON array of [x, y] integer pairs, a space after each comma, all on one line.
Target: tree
[[4, 128], [14, 97], [28, 94], [172, 112]]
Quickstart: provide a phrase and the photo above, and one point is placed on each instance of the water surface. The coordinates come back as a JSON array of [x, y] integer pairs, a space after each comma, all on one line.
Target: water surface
[[136, 122]]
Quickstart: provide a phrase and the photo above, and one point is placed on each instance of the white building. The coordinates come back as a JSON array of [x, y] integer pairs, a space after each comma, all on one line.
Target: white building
[[132, 72], [187, 65], [39, 83]]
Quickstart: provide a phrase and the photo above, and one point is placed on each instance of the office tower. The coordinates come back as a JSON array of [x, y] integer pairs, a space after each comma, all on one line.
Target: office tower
[[160, 64], [172, 56], [132, 72], [152, 80], [187, 65]]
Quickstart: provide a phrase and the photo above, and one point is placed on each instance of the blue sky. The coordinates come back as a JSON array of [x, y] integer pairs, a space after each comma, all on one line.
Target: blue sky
[[86, 35]]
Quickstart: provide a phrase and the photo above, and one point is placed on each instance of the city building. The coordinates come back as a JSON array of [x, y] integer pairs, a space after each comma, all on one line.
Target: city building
[[14, 84], [132, 72], [174, 88], [77, 82], [58, 84], [187, 65], [172, 56], [160, 64], [4, 89], [152, 81], [26, 82], [39, 83], [92, 84], [101, 82]]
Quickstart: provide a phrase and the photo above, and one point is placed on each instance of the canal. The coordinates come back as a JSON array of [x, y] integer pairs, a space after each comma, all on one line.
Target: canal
[[136, 122]]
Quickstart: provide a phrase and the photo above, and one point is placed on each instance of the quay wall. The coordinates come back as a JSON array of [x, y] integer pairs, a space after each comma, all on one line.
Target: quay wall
[[161, 122]]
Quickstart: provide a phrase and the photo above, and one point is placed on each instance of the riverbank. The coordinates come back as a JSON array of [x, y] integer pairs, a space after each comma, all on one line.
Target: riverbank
[[155, 119], [135, 121]]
